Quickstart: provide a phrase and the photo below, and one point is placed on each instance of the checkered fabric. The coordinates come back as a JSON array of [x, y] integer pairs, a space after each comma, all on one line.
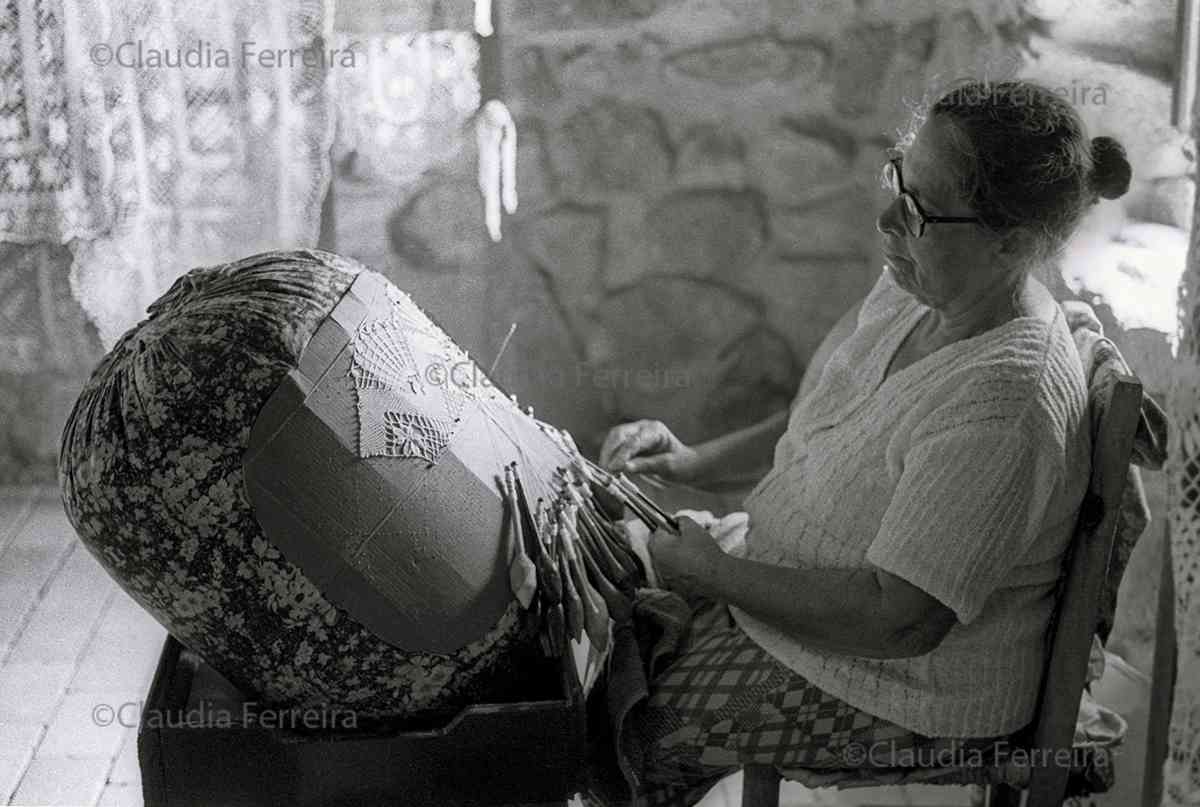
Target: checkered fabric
[[724, 702]]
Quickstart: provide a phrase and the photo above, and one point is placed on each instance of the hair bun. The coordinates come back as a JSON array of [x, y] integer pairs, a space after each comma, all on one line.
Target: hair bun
[[1111, 171]]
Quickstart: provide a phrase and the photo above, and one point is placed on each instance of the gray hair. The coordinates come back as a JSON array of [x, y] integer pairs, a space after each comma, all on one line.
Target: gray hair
[[1027, 164]]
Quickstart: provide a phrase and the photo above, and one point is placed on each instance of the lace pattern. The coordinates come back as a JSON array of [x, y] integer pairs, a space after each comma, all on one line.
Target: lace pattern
[[412, 435], [1181, 772], [198, 164], [407, 109], [53, 163], [409, 378]]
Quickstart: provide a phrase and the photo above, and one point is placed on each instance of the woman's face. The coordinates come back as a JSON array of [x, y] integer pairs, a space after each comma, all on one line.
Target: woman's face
[[952, 263]]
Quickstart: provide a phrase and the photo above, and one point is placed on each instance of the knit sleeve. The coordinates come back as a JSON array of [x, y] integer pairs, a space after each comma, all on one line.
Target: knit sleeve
[[970, 500]]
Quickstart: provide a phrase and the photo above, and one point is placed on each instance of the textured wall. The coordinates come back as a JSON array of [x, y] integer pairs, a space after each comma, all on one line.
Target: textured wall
[[706, 194], [699, 188]]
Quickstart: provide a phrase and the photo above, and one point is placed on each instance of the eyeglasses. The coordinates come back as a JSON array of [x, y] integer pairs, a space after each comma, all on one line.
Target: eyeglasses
[[915, 217]]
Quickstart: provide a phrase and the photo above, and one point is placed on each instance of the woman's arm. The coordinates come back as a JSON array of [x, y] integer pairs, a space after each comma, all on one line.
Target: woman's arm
[[650, 447], [740, 455], [862, 612]]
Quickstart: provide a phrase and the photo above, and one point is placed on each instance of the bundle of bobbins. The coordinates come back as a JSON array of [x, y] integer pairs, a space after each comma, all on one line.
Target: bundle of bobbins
[[573, 565]]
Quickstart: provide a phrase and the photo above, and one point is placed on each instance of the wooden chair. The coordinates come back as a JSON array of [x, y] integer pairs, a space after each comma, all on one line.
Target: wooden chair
[[1053, 729], [1162, 681]]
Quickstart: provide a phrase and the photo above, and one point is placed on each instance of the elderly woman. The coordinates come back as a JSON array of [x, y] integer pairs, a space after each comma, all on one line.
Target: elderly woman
[[899, 570]]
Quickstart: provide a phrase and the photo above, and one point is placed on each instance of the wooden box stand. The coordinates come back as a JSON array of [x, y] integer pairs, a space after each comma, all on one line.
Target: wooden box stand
[[201, 744]]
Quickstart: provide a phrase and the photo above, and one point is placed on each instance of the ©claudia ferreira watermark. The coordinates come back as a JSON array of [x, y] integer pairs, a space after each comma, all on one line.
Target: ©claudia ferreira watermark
[[466, 375], [888, 753], [250, 714], [991, 91], [987, 84], [202, 55]]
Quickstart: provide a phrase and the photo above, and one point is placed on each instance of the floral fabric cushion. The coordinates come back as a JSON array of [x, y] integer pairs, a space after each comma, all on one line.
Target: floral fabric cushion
[[151, 475]]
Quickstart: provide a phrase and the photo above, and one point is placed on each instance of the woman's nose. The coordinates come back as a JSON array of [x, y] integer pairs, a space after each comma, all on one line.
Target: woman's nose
[[890, 221]]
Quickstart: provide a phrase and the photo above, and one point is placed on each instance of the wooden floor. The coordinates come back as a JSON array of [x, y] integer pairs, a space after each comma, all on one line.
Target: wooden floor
[[76, 656]]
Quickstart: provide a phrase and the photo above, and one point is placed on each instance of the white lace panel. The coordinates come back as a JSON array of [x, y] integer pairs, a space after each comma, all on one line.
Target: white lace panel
[[1181, 773], [411, 435], [55, 163], [198, 164], [410, 382]]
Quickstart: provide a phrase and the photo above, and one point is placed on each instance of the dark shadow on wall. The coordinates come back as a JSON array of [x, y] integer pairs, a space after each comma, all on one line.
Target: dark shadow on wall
[[48, 349]]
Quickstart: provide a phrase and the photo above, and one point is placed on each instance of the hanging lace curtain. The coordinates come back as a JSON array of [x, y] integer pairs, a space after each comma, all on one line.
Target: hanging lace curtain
[[153, 137], [54, 164], [150, 137], [410, 16], [1182, 770], [413, 107], [408, 109]]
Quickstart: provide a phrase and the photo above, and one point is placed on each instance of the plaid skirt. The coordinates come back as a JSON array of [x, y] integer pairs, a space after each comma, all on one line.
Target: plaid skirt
[[723, 702]]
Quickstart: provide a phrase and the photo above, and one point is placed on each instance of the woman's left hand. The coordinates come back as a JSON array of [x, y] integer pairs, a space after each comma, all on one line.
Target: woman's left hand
[[687, 562]]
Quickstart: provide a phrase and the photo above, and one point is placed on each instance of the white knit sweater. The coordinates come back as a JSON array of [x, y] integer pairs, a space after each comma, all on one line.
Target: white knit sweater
[[961, 473]]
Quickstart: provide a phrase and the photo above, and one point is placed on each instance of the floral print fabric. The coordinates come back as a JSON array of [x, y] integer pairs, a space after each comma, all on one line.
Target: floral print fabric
[[151, 475]]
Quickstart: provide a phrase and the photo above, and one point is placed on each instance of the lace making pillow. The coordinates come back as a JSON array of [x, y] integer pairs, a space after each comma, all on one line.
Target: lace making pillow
[[289, 466]]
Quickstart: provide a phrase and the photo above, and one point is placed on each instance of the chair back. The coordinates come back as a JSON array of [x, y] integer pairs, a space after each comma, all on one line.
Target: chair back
[[1115, 404]]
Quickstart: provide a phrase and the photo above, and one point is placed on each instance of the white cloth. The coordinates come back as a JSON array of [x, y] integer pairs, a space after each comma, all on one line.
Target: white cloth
[[729, 530]]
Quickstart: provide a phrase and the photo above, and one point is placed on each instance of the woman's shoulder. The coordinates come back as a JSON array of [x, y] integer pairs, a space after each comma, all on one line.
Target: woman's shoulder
[[1035, 302], [1028, 372], [1034, 347], [1052, 359]]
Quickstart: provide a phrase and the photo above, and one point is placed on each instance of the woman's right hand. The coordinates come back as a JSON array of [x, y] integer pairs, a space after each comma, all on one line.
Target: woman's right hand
[[649, 447]]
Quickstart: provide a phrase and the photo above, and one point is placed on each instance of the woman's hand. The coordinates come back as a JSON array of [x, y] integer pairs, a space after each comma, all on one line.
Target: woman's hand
[[649, 447], [687, 562]]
